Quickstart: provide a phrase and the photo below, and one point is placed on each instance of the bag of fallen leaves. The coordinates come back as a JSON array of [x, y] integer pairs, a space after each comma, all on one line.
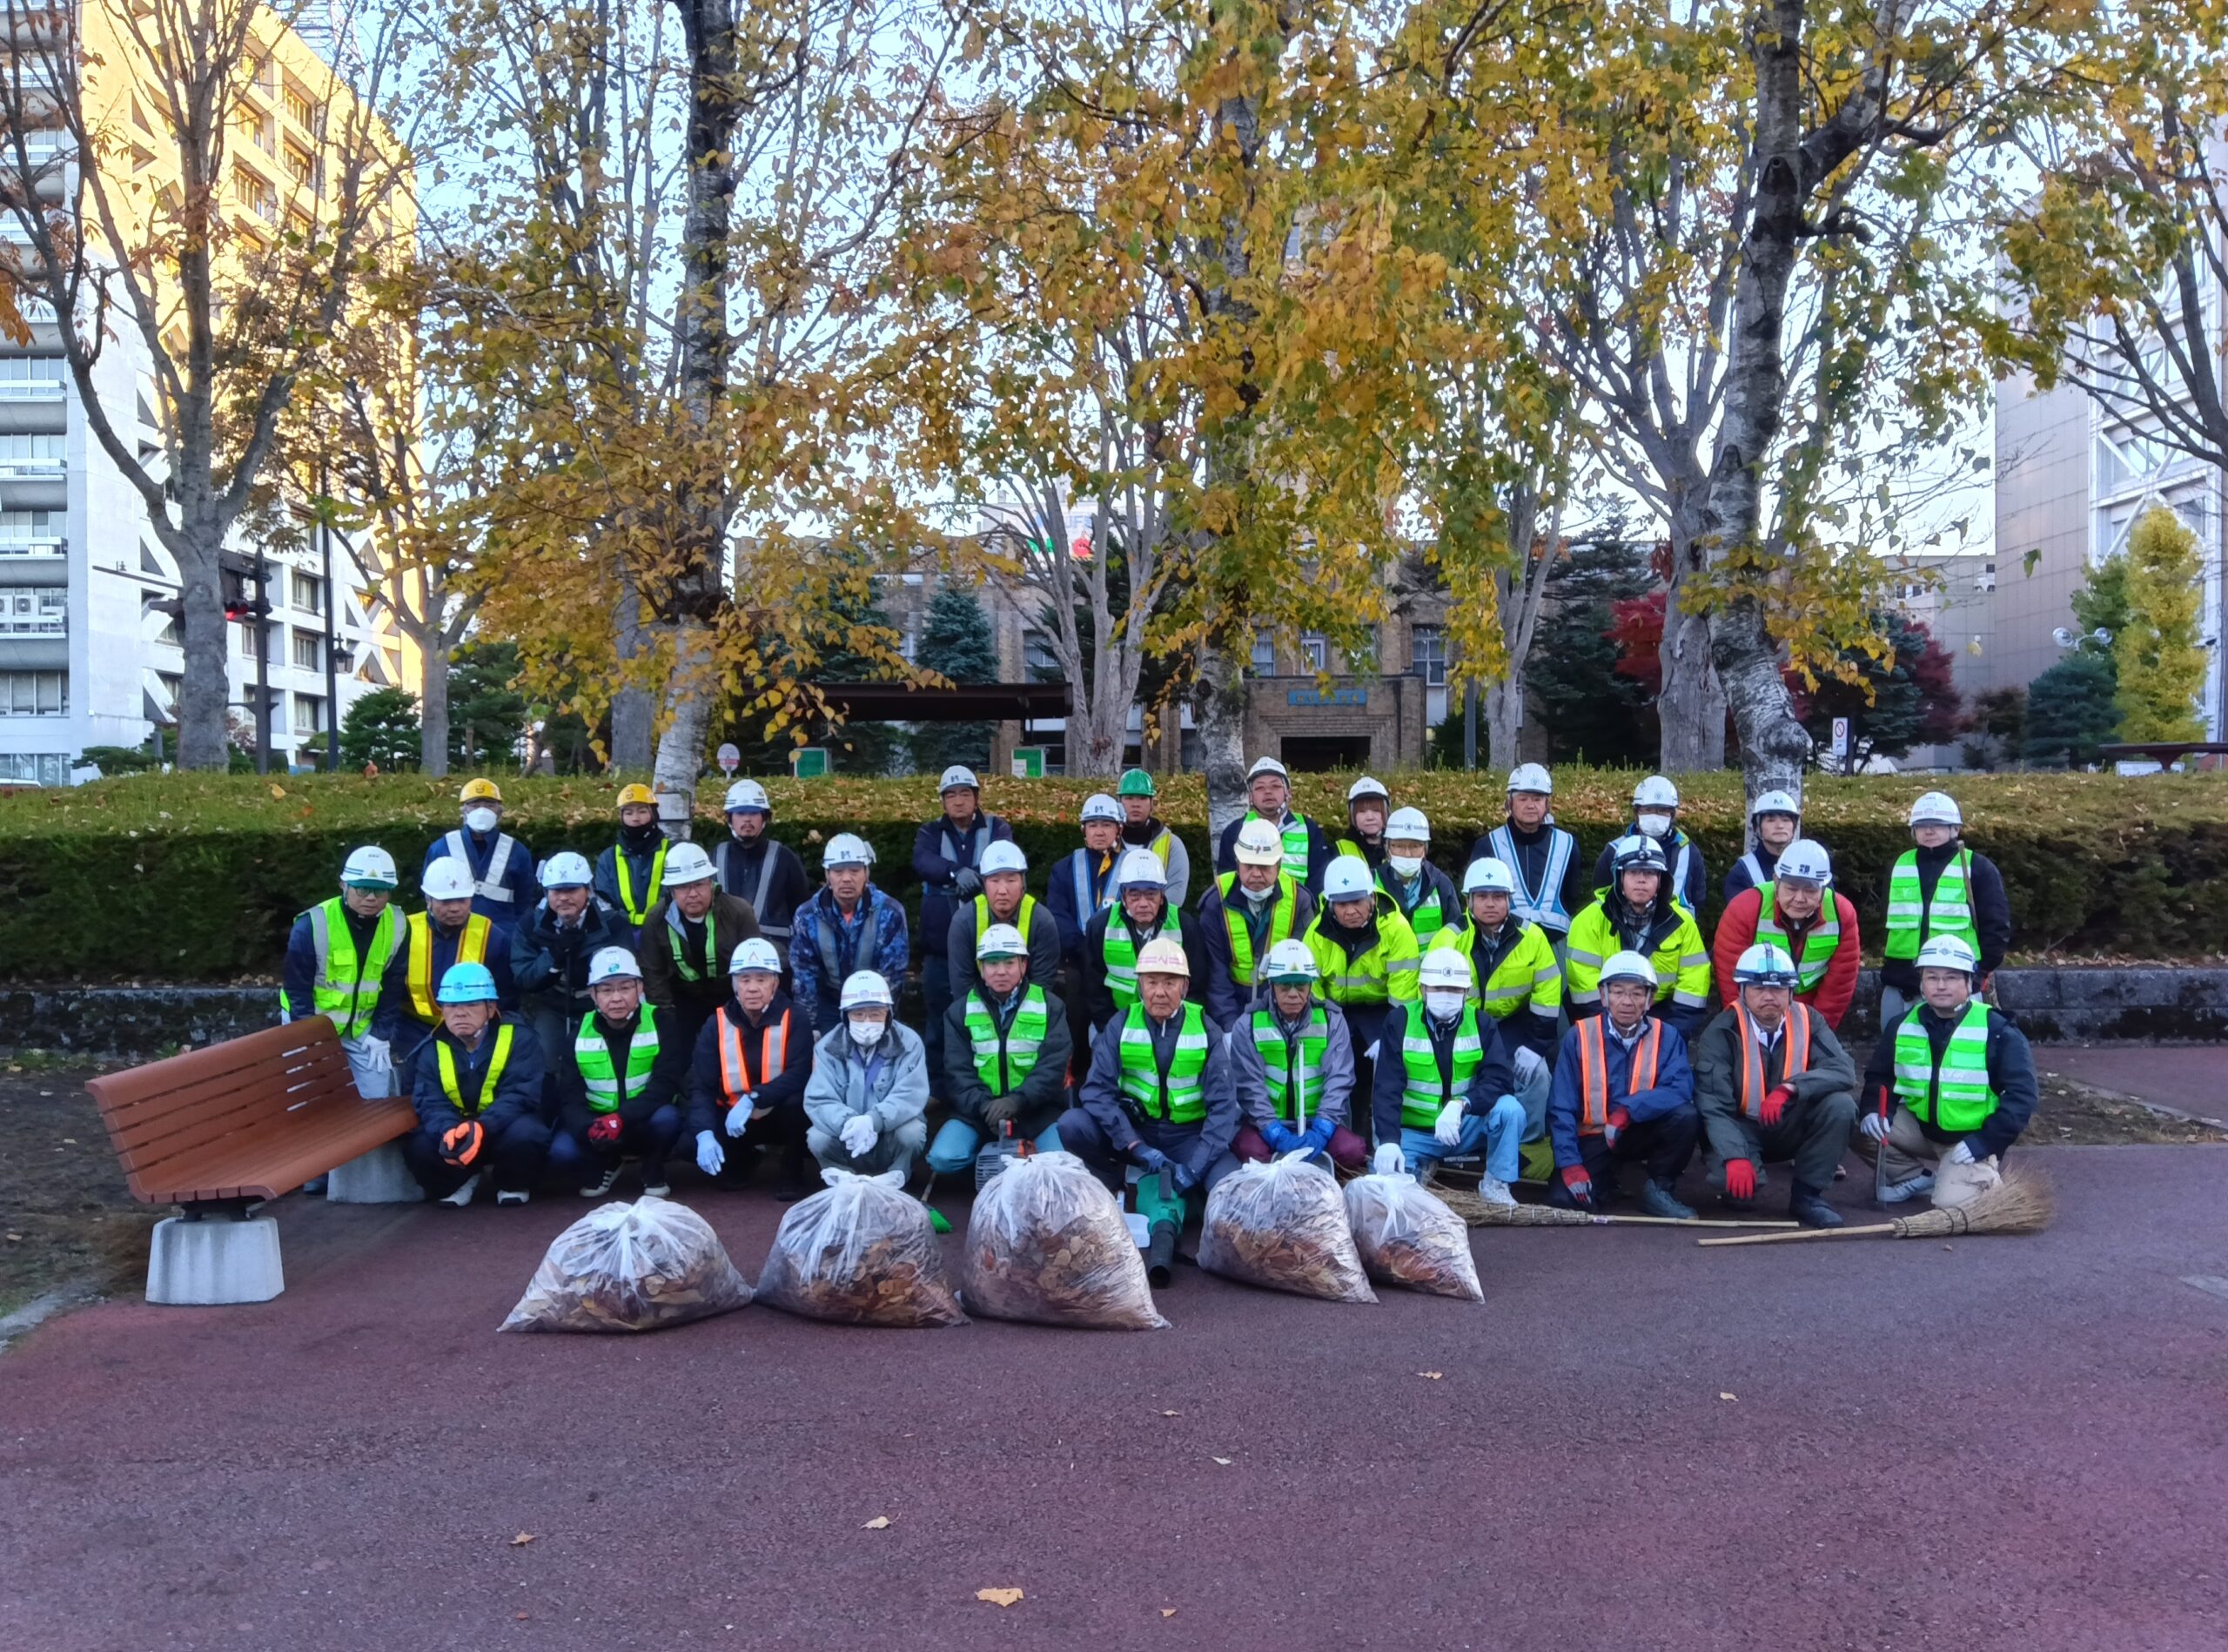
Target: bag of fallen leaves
[[630, 1267], [1406, 1236], [860, 1252], [1282, 1225], [1048, 1243]]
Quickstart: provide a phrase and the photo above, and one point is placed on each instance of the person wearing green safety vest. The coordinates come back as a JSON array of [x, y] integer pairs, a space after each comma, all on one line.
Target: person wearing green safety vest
[[686, 942], [1798, 910], [476, 1088], [1939, 886], [1443, 1080], [1304, 849], [1003, 898], [1142, 828], [623, 1097], [1006, 1049], [1515, 976], [337, 957], [1951, 1085], [1111, 941], [1243, 914], [630, 875], [1367, 804], [1365, 955], [1424, 895], [1291, 1061]]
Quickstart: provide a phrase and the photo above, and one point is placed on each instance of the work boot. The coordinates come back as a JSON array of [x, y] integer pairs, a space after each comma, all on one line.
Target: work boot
[[462, 1196], [1897, 1193], [1656, 1200], [606, 1180], [1807, 1207], [1494, 1191]]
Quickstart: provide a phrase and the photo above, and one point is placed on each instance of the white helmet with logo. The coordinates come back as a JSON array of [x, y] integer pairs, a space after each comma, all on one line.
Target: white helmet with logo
[[1260, 845], [1487, 876], [846, 849], [754, 956], [1000, 940], [1775, 802], [612, 964], [566, 870], [958, 777], [1367, 787], [1531, 777], [1655, 792], [370, 867], [686, 864], [1629, 965], [1267, 766], [1764, 965], [1099, 806], [863, 987], [1407, 826], [1805, 858], [1003, 857], [1444, 967], [746, 794], [1163, 956], [448, 879], [1948, 952], [1289, 964], [1347, 878], [1937, 809], [1140, 869]]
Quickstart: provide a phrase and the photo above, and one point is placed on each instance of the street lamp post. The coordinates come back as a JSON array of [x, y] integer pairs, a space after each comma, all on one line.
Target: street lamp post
[[332, 660], [262, 662]]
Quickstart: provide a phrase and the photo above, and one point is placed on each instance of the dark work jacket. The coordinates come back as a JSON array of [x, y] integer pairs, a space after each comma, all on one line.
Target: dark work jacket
[[744, 868], [1043, 1093], [937, 868], [2010, 1075], [1991, 912], [549, 962], [1097, 996], [707, 1100], [518, 1092], [668, 1079], [1532, 851], [1495, 1076], [733, 923], [1718, 1063]]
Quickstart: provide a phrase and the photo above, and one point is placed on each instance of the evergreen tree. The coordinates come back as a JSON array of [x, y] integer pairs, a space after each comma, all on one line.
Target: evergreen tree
[[2161, 667], [1593, 712], [956, 641], [2071, 709], [382, 728], [1906, 699], [488, 710], [2100, 601]]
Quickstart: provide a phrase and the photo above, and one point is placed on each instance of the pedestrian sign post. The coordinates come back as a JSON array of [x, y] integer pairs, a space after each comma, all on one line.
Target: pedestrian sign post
[[809, 763], [1840, 739], [729, 759]]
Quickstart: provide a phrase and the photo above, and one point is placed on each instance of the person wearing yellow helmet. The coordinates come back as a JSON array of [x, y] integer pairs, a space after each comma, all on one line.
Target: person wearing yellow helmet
[[630, 875], [502, 867]]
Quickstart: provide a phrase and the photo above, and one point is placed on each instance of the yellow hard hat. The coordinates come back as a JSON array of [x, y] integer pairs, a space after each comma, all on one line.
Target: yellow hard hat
[[475, 790], [637, 793]]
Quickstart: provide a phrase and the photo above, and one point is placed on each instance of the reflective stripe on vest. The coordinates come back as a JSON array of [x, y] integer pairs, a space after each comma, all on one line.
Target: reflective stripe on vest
[[1428, 1089], [1092, 892], [676, 936], [734, 1070], [831, 928], [343, 986], [1120, 950], [1794, 1033], [1180, 1097], [1353, 977], [1294, 834], [592, 1057], [724, 867], [1819, 945], [444, 1055], [1004, 1060], [1022, 918], [1956, 1097], [1293, 1067], [1282, 914], [1912, 918], [471, 948], [1545, 904], [498, 861], [1429, 916], [1515, 976], [1594, 1070], [624, 868]]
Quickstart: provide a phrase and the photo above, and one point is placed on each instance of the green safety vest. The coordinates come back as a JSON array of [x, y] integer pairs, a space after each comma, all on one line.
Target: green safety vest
[[1181, 1097], [1294, 833], [1282, 915], [1818, 947], [1024, 916], [1428, 1090], [1429, 917], [346, 989], [592, 1057], [1293, 1067], [444, 1054], [1120, 953], [636, 914], [1956, 1097], [1004, 1060], [676, 938], [1912, 918]]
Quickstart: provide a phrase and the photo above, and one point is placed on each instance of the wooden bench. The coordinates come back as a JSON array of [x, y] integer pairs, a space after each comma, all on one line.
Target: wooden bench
[[218, 1131]]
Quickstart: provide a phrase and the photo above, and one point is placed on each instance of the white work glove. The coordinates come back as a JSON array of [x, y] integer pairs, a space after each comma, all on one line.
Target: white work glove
[[738, 1116], [1449, 1128], [709, 1154], [1961, 1154], [1874, 1125], [377, 1055], [859, 1135], [1527, 1061], [1390, 1160]]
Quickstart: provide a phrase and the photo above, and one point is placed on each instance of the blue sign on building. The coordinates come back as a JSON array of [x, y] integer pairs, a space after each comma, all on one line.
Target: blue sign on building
[[1336, 697]]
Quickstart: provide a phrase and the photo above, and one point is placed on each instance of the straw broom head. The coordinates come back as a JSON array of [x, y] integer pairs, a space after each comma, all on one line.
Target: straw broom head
[[2020, 1204], [1465, 1204]]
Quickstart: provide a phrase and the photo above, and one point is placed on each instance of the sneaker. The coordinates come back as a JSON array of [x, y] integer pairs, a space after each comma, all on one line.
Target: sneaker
[[1897, 1193], [1656, 1200], [512, 1196], [1811, 1211], [655, 1185], [602, 1184], [1494, 1191], [462, 1196]]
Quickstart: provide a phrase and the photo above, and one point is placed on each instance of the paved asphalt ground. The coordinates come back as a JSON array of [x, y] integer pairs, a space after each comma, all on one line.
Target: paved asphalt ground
[[1633, 1444]]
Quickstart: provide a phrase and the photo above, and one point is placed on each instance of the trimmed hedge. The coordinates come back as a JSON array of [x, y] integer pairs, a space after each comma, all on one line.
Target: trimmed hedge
[[197, 877]]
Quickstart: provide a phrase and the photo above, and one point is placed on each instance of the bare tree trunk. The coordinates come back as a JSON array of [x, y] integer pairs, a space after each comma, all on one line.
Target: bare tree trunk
[[433, 703], [1504, 719], [634, 713], [1689, 705], [1220, 707], [201, 625], [1096, 737], [689, 715]]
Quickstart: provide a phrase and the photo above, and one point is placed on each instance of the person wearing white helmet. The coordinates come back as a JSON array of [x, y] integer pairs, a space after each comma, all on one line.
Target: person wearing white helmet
[[1774, 820], [1110, 944], [1365, 954], [1243, 913], [1656, 814], [622, 1095], [1636, 913], [1303, 847], [1445, 1083], [1424, 895], [1368, 804], [849, 925], [1008, 1043], [1623, 1091], [337, 955], [1939, 886], [630, 873], [869, 1086], [687, 941], [550, 950], [1951, 1085], [1551, 886], [448, 932], [948, 859], [476, 1086], [752, 863], [502, 867], [1082, 881], [1291, 1061], [1516, 977], [1798, 910], [1774, 1086], [1004, 899], [747, 1077]]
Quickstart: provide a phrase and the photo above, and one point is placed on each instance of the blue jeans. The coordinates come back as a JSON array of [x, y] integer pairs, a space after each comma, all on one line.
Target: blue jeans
[[1500, 1133], [958, 1142]]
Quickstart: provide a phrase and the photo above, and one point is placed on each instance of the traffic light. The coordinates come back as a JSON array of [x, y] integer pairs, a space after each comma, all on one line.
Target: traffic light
[[240, 608]]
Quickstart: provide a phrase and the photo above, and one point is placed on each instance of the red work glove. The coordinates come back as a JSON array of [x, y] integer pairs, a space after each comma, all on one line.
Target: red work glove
[[1620, 1119], [1577, 1184], [1740, 1180], [1775, 1104], [604, 1132], [461, 1144]]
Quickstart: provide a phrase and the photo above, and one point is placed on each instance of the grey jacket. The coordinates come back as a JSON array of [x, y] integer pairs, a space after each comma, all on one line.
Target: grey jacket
[[1198, 1146], [1248, 1074], [1044, 951], [838, 1090], [1717, 1076]]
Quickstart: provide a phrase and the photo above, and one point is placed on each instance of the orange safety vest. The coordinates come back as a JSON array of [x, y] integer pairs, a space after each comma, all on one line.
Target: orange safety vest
[[1796, 1030], [773, 1052], [1594, 1070]]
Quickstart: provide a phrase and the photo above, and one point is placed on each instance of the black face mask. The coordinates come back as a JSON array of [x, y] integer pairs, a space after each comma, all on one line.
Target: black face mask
[[639, 840], [1140, 832]]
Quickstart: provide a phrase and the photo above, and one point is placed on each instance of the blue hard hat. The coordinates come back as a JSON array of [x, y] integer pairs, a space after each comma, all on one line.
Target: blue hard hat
[[466, 983]]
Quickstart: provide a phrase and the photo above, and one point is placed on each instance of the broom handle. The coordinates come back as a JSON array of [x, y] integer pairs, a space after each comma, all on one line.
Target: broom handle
[[1806, 1233], [1687, 1221]]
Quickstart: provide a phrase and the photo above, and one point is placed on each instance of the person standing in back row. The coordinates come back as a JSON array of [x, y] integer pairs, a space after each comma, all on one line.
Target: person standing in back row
[[687, 942], [1142, 828], [948, 859], [1656, 815], [1306, 850], [1551, 888], [1774, 819], [630, 873], [502, 870], [1940, 887], [755, 867]]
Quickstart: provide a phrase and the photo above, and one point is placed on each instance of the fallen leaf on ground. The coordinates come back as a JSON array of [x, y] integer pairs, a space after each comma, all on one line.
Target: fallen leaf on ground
[[521, 1540], [998, 1597], [1723, 1395], [1433, 1375], [521, 1616], [1224, 1461], [1171, 1414], [277, 791], [1168, 1611], [880, 1522]]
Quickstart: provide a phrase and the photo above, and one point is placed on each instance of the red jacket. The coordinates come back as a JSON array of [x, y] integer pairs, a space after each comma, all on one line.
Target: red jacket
[[1736, 933]]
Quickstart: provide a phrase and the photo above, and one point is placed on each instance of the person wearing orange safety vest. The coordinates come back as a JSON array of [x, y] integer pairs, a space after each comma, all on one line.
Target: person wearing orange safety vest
[[1622, 1090], [746, 1084], [630, 875]]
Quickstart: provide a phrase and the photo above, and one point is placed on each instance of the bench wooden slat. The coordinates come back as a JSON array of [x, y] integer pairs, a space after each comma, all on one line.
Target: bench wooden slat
[[191, 1089], [152, 1145], [257, 1051], [267, 1155]]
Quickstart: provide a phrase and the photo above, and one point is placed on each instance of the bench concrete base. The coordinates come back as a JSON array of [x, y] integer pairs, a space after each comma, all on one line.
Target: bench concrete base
[[214, 1261], [379, 1176]]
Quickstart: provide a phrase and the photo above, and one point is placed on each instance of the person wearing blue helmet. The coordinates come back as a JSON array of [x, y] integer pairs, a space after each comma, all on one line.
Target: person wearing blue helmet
[[477, 1088]]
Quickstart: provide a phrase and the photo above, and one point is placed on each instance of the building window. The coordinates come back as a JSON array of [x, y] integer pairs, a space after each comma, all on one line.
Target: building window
[[309, 592], [19, 374], [41, 610], [1038, 660], [39, 451], [251, 192], [172, 633], [1314, 652], [300, 166], [33, 767], [309, 713], [1427, 655], [300, 111], [309, 651], [34, 693], [32, 533], [1265, 654]]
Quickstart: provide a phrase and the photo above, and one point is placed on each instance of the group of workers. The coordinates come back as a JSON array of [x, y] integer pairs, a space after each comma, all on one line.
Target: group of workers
[[1325, 993]]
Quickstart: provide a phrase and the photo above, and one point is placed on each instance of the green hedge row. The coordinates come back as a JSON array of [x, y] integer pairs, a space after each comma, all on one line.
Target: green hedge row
[[197, 877]]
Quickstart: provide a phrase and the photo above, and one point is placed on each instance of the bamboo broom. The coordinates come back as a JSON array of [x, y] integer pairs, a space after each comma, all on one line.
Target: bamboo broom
[[1477, 1213], [2021, 1204]]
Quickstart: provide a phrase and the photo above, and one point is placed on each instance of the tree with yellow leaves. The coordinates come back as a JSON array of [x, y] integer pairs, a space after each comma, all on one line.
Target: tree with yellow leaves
[[2162, 669]]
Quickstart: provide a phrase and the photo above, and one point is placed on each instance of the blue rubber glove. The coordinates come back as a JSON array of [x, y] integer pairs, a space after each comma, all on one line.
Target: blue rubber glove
[[1149, 1158], [1186, 1179], [1281, 1137], [1320, 1134]]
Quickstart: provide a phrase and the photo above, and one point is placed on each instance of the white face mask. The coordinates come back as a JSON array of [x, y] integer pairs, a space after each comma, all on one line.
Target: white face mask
[[1444, 1003], [481, 820], [1655, 825], [1405, 866], [1257, 897], [867, 1034]]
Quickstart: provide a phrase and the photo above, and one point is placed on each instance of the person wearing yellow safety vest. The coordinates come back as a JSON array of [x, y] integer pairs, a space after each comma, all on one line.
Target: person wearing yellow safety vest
[[1940, 887], [1142, 828], [1243, 914], [1635, 914], [1951, 1085], [747, 1077], [336, 958], [1004, 899], [630, 875], [448, 932], [1623, 1090], [1515, 975], [1291, 1061], [1443, 1080], [1368, 804], [476, 1086], [623, 1098], [1006, 1049], [1424, 895], [1365, 955], [502, 867], [1114, 938], [691, 933], [1774, 1086], [1304, 849], [869, 1086]]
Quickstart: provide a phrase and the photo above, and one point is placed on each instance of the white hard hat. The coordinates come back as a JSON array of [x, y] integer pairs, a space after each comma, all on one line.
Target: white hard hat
[[862, 987], [1289, 961], [1490, 877], [1407, 825], [846, 849], [1001, 941], [1140, 866], [1629, 965], [956, 777], [1531, 777], [1774, 802], [1764, 965], [566, 869], [1444, 966], [754, 956], [1002, 857], [1638, 853], [686, 864], [1937, 809], [1347, 878], [370, 867], [1948, 952], [1260, 845], [1366, 787], [612, 964], [746, 794], [1163, 956], [1099, 806], [1655, 792], [448, 879], [1805, 858], [1267, 766]]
